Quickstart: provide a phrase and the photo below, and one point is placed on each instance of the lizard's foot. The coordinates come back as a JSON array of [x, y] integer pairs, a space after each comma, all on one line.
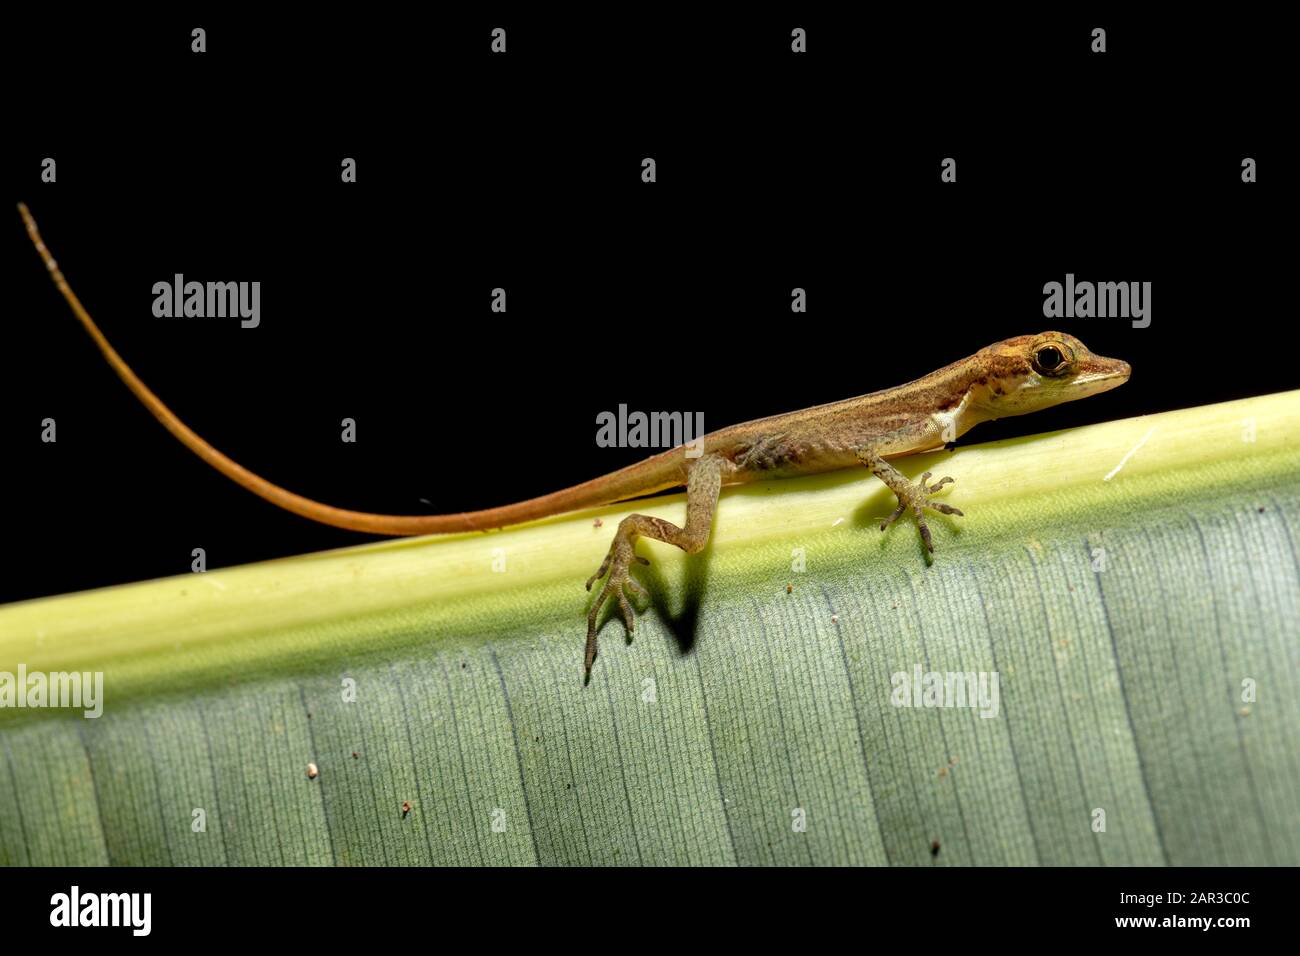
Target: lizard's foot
[[620, 584], [916, 497]]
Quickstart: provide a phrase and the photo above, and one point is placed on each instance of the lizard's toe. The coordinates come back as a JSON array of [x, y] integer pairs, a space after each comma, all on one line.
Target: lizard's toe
[[898, 513], [932, 489], [604, 566]]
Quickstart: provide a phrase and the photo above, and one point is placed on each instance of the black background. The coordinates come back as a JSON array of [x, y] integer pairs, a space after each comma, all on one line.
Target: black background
[[523, 171], [915, 908]]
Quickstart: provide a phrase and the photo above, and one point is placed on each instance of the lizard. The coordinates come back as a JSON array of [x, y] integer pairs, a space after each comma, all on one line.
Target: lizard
[[1015, 376]]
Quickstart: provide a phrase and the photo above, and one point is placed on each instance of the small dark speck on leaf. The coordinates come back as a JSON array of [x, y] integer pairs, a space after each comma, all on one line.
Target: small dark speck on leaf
[[934, 847], [1261, 509], [355, 755]]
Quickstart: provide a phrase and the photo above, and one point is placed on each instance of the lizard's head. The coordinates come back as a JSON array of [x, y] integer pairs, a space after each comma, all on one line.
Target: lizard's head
[[1031, 372]]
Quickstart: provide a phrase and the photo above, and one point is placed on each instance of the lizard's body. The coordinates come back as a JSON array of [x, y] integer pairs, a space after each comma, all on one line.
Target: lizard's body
[[1011, 377], [908, 419]]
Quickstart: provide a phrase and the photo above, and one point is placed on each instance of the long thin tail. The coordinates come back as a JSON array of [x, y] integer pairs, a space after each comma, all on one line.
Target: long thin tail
[[653, 474]]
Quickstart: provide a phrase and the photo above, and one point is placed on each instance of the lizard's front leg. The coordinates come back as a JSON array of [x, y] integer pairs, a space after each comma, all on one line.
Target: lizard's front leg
[[703, 483], [914, 496]]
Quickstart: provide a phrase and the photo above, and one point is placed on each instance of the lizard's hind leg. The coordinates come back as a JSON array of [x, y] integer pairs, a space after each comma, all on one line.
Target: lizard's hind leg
[[703, 483]]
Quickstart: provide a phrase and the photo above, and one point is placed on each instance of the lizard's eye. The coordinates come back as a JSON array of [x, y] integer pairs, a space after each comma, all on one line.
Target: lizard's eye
[[1049, 360]]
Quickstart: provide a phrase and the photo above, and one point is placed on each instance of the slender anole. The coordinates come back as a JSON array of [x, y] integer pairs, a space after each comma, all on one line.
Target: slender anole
[[1011, 377]]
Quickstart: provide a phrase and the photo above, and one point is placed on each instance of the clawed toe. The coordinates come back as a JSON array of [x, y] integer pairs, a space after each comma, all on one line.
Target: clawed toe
[[932, 489], [629, 619], [599, 574], [898, 513]]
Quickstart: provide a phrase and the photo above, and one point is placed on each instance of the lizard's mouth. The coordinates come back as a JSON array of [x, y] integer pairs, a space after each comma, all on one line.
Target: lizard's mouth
[[1098, 374]]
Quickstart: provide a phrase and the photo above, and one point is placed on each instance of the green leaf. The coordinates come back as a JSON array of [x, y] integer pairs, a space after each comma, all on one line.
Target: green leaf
[[1127, 583]]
